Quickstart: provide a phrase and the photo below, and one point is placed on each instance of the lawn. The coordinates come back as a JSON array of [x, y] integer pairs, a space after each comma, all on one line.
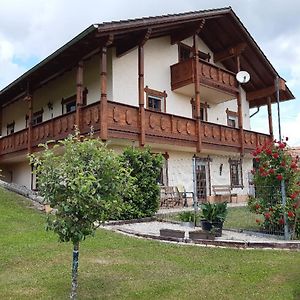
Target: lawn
[[33, 265]]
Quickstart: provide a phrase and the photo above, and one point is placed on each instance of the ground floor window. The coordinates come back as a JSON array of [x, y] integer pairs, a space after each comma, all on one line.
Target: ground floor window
[[236, 174]]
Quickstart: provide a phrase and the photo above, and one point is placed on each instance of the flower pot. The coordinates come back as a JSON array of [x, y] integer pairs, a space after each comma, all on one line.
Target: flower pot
[[215, 227]]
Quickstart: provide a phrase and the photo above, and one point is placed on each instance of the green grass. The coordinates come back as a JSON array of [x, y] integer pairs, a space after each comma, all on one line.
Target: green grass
[[33, 265], [240, 218]]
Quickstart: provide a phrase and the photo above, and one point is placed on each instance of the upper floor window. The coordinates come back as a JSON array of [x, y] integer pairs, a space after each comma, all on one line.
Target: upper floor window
[[185, 52], [203, 110], [236, 174], [37, 117], [10, 128], [232, 118], [69, 104], [155, 100]]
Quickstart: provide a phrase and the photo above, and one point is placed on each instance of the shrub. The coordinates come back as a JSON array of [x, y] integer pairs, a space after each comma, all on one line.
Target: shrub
[[274, 164], [144, 167]]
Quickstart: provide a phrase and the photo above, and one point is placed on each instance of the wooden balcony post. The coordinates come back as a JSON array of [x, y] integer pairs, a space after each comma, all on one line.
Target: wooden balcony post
[[103, 99], [141, 94], [79, 96], [1, 118], [28, 99], [270, 118], [197, 92], [240, 110]]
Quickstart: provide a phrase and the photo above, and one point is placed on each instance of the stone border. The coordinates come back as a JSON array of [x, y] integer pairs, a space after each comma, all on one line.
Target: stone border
[[292, 245]]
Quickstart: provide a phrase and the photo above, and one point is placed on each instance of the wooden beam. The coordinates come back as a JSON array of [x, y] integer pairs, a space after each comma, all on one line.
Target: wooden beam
[[79, 95], [136, 39], [270, 118], [266, 92], [230, 52], [182, 34], [141, 94], [103, 99], [197, 92], [240, 110]]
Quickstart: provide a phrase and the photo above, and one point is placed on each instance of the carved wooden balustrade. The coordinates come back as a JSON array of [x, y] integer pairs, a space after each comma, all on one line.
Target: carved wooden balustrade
[[209, 75], [123, 123]]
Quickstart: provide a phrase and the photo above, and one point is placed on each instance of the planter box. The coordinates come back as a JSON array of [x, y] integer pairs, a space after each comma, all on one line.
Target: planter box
[[201, 235], [179, 234]]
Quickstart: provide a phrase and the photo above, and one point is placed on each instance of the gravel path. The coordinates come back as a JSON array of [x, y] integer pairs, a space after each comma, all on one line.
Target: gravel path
[[153, 228]]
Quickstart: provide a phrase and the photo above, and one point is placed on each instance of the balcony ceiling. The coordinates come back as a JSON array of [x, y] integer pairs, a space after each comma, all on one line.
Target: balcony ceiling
[[221, 30]]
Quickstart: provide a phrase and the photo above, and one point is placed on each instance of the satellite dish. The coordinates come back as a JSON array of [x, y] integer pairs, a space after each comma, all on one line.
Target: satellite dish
[[242, 77]]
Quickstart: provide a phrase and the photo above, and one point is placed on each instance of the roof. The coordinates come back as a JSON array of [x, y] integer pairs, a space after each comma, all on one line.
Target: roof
[[222, 29]]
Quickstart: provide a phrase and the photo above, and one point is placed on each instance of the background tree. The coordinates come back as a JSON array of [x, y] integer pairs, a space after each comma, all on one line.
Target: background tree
[[84, 185]]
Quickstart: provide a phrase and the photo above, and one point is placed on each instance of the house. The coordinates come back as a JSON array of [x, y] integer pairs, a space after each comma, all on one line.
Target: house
[[166, 81]]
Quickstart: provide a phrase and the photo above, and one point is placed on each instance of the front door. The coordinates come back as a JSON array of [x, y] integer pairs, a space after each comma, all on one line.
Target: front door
[[202, 180]]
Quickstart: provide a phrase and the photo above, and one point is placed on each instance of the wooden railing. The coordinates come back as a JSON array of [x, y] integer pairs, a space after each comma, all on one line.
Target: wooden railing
[[123, 123], [209, 75]]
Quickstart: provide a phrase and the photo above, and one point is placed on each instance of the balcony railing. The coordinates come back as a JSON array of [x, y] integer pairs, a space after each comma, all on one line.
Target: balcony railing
[[209, 75], [123, 124]]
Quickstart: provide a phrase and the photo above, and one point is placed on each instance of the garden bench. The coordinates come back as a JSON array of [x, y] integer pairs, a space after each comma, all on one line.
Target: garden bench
[[222, 190]]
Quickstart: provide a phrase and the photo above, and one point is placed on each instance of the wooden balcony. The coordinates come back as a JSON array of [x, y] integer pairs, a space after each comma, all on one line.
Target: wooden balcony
[[160, 128], [217, 84]]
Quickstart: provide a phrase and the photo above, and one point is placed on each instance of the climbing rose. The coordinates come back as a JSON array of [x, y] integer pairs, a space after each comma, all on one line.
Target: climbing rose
[[275, 155], [293, 165], [291, 214], [279, 177], [257, 221], [281, 221], [267, 216]]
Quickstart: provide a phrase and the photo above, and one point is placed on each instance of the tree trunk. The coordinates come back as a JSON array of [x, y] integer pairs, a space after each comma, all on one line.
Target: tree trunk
[[73, 294]]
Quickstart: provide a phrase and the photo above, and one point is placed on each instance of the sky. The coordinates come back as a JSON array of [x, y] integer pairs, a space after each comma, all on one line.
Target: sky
[[31, 30]]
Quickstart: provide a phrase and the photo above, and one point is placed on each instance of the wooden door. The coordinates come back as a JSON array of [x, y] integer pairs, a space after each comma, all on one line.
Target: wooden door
[[201, 180]]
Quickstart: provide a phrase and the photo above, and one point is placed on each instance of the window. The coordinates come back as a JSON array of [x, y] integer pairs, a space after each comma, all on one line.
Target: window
[[203, 110], [236, 176], [185, 52], [155, 100], [68, 104], [232, 118], [10, 128], [37, 117]]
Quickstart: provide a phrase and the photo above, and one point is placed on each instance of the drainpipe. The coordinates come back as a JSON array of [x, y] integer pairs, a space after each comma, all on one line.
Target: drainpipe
[[255, 112]]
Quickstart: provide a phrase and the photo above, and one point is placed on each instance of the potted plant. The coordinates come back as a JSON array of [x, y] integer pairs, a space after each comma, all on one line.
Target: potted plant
[[213, 216], [187, 218]]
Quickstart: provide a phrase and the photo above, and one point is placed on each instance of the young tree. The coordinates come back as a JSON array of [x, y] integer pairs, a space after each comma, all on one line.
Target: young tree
[[84, 183]]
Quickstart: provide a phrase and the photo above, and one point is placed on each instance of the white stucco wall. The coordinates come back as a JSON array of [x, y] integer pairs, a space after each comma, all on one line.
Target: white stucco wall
[[21, 174]]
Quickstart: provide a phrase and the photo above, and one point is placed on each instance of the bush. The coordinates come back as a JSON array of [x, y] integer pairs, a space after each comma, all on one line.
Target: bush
[[144, 167], [273, 165]]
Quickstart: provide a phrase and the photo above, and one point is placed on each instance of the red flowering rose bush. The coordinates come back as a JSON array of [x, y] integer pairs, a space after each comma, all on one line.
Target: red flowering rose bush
[[273, 164]]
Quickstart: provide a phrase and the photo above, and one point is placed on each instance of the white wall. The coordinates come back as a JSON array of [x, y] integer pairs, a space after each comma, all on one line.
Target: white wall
[[21, 174]]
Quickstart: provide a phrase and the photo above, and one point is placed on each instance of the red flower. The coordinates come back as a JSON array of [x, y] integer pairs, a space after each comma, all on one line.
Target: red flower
[[291, 214], [281, 145], [279, 177], [271, 209], [283, 163], [257, 159], [257, 206], [293, 165], [271, 171], [294, 195], [275, 155], [257, 221], [281, 221], [269, 151], [267, 216], [254, 153]]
